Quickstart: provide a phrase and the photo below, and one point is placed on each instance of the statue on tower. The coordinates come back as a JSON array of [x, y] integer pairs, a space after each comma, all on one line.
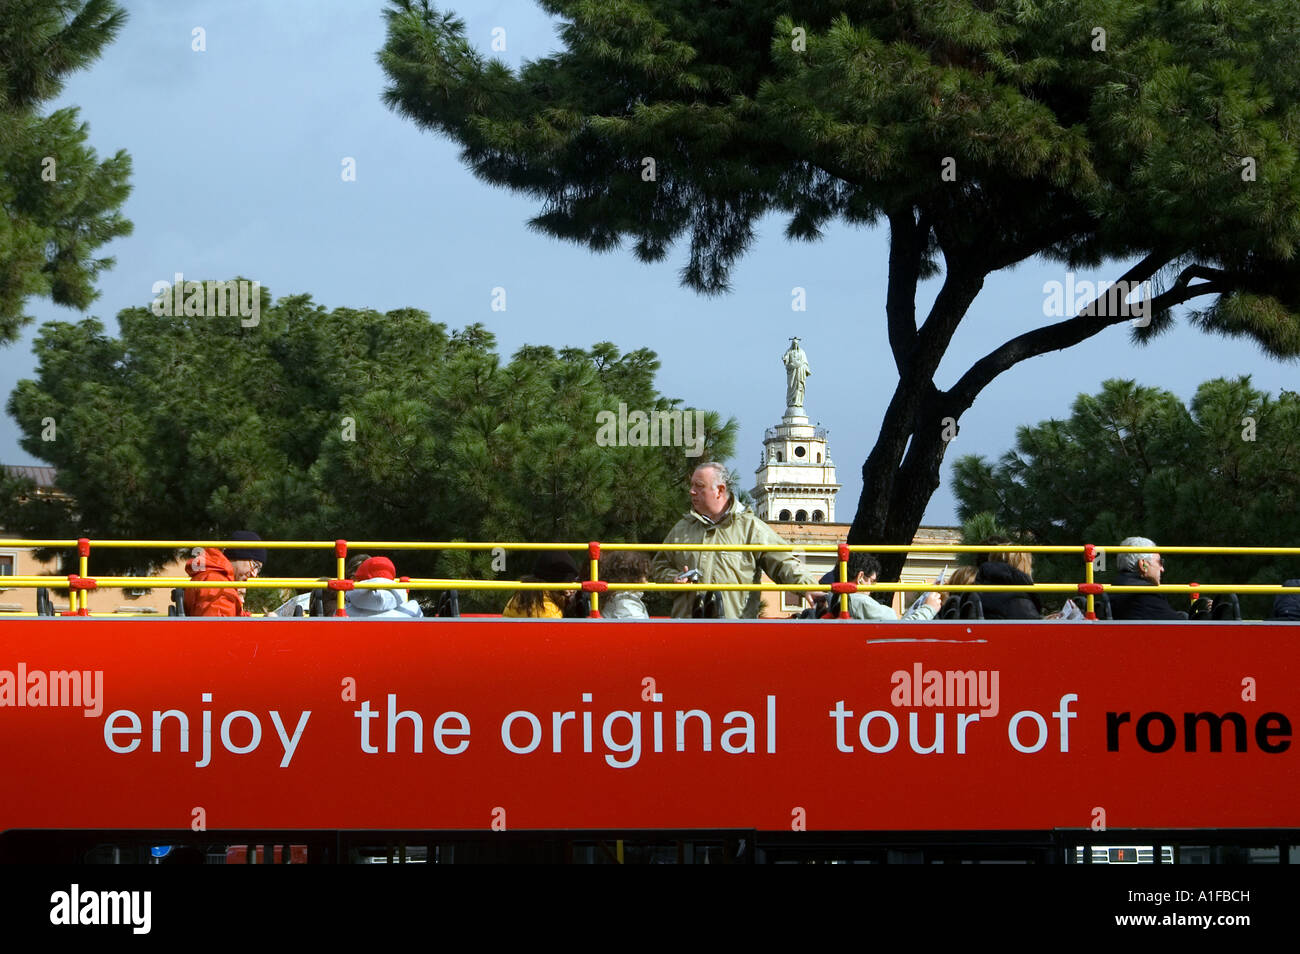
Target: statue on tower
[[796, 373]]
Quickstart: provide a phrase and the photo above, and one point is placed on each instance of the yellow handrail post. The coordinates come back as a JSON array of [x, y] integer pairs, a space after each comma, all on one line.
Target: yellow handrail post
[[1089, 588], [341, 553], [843, 561], [83, 565], [593, 551]]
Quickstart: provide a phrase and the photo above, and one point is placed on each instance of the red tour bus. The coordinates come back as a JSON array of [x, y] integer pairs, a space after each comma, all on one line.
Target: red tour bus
[[469, 739]]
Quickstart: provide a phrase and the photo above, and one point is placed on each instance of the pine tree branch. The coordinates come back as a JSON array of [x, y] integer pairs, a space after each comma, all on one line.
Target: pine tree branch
[[1065, 334], [1180, 291]]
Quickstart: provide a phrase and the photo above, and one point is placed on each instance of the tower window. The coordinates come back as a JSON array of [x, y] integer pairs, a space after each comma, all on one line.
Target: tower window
[[800, 451], [801, 516], [779, 458], [818, 516], [785, 515], [819, 458]]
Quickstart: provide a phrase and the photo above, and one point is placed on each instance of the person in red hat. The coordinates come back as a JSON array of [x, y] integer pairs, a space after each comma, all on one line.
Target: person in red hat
[[379, 603]]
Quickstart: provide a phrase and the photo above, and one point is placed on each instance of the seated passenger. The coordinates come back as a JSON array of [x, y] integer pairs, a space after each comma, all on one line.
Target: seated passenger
[[1287, 605], [234, 565], [1140, 569], [963, 575], [1008, 568], [864, 569], [379, 604], [624, 567], [551, 566], [303, 600]]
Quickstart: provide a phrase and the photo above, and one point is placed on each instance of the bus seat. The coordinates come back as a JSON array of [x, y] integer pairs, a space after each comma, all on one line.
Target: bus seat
[[579, 607], [1226, 606], [1101, 606], [448, 604]]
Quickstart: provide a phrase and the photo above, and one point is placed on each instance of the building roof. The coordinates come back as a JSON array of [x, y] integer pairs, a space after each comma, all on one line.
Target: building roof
[[839, 532], [810, 532], [43, 476]]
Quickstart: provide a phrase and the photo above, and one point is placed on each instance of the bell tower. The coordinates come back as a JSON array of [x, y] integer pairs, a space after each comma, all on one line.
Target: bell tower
[[795, 479]]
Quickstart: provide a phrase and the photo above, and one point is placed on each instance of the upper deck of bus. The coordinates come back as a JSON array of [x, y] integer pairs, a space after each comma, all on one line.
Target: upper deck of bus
[[1087, 588]]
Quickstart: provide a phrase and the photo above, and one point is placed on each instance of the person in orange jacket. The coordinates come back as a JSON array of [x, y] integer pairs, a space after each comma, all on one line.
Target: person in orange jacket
[[234, 565]]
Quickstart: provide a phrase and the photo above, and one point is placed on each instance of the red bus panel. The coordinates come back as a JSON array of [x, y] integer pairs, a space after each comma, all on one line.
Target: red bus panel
[[577, 724]]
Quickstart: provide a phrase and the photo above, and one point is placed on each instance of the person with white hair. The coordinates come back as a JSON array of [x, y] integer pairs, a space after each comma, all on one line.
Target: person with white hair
[[1140, 569]]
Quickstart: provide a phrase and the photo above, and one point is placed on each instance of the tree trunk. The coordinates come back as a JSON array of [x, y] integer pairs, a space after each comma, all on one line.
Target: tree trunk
[[902, 470], [897, 486]]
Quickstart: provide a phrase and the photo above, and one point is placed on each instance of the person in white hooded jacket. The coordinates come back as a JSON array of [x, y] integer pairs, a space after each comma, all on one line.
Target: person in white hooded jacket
[[362, 604], [379, 603]]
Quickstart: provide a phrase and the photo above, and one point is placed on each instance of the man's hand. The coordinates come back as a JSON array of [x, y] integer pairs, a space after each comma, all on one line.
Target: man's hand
[[934, 600]]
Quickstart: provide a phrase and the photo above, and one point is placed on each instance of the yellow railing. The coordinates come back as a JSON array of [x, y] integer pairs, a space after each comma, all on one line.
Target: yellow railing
[[82, 582]]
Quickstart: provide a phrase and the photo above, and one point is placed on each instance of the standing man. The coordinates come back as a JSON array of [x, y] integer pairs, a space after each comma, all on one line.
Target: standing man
[[717, 517]]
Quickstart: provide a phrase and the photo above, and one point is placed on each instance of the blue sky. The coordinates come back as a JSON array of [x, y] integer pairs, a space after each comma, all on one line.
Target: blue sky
[[237, 155]]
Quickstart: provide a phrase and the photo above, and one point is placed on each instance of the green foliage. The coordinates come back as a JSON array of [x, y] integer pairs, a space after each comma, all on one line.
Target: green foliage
[[1125, 149], [980, 529], [60, 201], [351, 424], [1164, 133], [1134, 461]]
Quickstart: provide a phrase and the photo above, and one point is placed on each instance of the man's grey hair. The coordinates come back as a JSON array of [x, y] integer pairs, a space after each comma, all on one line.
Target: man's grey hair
[[720, 475], [1128, 562]]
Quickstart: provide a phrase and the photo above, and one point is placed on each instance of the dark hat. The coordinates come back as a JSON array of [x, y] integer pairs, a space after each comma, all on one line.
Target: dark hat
[[830, 576], [555, 566], [245, 553]]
